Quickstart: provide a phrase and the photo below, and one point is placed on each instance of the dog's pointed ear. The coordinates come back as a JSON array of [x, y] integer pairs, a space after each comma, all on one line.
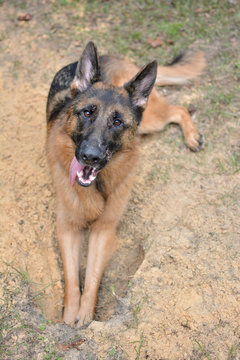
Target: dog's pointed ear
[[140, 87], [87, 71]]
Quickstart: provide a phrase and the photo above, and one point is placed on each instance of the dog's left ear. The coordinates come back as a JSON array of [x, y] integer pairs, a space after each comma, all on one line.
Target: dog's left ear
[[140, 87], [87, 71]]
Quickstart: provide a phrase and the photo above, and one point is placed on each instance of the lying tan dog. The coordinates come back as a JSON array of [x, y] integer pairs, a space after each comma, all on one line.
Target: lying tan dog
[[96, 108]]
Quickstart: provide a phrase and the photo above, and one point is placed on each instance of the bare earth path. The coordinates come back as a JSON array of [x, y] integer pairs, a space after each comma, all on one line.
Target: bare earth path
[[172, 290]]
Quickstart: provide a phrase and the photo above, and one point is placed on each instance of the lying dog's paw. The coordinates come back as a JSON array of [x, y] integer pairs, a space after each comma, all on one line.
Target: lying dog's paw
[[85, 314], [83, 319], [194, 141], [70, 315]]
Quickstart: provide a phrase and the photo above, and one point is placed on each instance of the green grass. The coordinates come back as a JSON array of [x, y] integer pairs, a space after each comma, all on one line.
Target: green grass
[[201, 349], [159, 174], [18, 335], [235, 349], [231, 197], [136, 309], [138, 348], [180, 22], [228, 165], [20, 4]]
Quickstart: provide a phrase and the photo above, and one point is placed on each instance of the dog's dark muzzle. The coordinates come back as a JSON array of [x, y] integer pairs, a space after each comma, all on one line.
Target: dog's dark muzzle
[[89, 160], [91, 155]]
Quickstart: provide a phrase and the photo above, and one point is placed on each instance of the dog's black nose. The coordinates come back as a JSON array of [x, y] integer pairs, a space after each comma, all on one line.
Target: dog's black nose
[[91, 155]]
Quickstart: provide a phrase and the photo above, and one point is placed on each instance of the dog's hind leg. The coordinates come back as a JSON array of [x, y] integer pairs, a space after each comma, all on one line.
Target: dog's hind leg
[[70, 243], [159, 113]]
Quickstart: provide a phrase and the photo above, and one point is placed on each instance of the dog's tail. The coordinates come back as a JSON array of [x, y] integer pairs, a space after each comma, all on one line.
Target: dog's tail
[[183, 68]]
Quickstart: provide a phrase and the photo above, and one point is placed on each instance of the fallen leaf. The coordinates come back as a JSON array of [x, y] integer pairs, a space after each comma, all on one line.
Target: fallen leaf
[[156, 42], [25, 17], [191, 109], [234, 41], [73, 345], [170, 41]]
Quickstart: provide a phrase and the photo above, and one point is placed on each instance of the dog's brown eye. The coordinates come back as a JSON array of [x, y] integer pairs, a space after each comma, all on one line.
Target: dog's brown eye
[[87, 113], [116, 122]]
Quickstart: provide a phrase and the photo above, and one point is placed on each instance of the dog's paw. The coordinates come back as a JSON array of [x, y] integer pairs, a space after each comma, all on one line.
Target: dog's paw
[[70, 319], [194, 141], [83, 318], [85, 314], [70, 314]]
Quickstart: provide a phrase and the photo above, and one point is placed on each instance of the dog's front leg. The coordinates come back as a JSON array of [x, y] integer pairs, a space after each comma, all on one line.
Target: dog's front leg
[[70, 242], [102, 244]]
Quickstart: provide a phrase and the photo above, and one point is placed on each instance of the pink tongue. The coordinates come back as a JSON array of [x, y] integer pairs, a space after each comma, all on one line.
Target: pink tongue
[[75, 166]]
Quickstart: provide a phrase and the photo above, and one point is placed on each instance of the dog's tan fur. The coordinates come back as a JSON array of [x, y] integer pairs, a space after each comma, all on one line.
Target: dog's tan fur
[[79, 207]]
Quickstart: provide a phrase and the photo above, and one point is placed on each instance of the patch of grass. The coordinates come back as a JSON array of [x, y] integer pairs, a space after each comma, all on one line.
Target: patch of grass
[[172, 31], [20, 272], [231, 197], [115, 348], [112, 352], [40, 293], [91, 7], [66, 3], [50, 351], [180, 22], [203, 351], [237, 70], [20, 4], [234, 162], [23, 273], [138, 348], [229, 165], [24, 278], [18, 335], [137, 309], [160, 174], [147, 243], [222, 98], [62, 2], [12, 325], [233, 351]]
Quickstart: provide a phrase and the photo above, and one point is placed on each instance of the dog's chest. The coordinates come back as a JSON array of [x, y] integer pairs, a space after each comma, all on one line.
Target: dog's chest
[[90, 204]]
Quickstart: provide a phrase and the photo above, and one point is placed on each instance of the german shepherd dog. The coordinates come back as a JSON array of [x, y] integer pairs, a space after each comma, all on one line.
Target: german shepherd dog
[[96, 110]]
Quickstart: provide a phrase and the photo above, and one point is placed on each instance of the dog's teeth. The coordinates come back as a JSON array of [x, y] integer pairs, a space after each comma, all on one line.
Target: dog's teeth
[[88, 181]]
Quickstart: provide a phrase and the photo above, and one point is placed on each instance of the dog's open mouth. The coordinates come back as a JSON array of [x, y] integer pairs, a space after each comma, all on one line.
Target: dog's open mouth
[[83, 174]]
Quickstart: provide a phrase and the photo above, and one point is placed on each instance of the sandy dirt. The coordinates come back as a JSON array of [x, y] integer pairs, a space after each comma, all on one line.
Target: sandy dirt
[[172, 289]]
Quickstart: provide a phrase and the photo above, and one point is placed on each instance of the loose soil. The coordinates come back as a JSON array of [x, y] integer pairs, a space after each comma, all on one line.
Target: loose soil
[[172, 289]]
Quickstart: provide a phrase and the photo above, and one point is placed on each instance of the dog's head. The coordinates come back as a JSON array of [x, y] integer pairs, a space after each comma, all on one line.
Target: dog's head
[[103, 118]]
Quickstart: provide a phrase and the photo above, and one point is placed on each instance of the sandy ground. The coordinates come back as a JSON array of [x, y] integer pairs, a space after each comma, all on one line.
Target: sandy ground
[[175, 276]]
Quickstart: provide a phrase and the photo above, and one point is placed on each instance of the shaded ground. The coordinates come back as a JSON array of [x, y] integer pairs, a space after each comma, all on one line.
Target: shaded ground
[[175, 276]]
